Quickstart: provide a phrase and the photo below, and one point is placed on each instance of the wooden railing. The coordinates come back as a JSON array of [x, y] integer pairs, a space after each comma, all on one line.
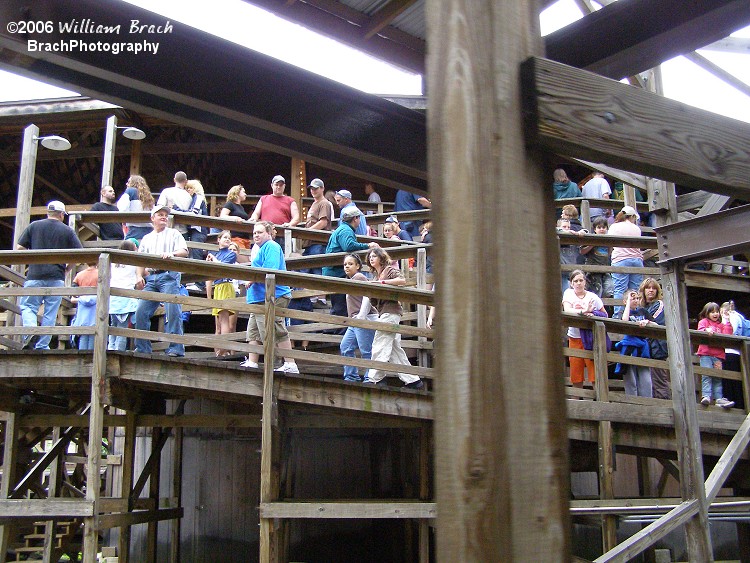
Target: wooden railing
[[235, 341]]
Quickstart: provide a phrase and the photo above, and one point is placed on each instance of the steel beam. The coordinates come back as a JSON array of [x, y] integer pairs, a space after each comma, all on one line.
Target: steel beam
[[201, 81], [711, 236]]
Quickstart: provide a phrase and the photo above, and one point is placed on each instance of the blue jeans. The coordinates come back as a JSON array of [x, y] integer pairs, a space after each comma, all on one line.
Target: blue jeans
[[710, 386], [30, 308], [118, 342], [313, 250], [625, 282], [356, 338], [166, 282]]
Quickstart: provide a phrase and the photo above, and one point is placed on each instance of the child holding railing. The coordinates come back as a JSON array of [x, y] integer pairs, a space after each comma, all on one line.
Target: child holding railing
[[222, 288], [121, 309], [85, 305], [712, 320]]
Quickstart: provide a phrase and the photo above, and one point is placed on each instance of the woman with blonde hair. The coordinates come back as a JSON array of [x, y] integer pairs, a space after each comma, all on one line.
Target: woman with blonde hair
[[137, 197], [650, 295], [198, 206], [233, 208]]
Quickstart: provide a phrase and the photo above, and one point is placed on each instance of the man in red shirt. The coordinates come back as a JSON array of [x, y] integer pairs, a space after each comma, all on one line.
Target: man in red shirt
[[276, 207]]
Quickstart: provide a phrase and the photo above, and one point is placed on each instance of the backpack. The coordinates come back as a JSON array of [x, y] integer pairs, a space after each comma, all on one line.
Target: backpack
[[743, 327]]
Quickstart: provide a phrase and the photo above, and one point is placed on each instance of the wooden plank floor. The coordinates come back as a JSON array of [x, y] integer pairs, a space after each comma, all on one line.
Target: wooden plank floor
[[640, 424]]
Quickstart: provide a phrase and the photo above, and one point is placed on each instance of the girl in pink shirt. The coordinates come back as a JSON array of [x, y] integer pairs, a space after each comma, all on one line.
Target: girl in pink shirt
[[712, 320]]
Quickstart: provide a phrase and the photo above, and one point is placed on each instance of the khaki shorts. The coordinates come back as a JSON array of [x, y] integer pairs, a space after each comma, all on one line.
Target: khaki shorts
[[256, 325]]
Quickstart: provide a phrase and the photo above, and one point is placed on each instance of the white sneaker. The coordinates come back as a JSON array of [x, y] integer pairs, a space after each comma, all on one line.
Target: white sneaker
[[724, 403], [248, 364], [288, 367], [705, 401]]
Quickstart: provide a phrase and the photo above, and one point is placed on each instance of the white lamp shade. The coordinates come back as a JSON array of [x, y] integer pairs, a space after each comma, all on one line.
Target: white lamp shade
[[55, 143], [133, 133]]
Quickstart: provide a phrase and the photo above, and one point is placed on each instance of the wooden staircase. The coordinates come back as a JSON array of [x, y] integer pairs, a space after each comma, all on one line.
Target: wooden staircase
[[67, 541]]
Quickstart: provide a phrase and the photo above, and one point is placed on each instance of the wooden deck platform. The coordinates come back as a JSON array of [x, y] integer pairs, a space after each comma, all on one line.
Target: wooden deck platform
[[642, 426]]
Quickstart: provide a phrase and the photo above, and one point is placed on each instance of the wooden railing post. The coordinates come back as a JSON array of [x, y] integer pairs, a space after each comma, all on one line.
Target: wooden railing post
[[585, 215], [10, 458], [606, 445], [745, 370], [96, 414], [422, 356], [288, 242], [269, 482]]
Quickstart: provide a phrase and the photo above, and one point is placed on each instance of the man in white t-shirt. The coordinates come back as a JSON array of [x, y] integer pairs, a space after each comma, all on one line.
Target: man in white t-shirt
[[167, 243], [597, 188], [177, 198]]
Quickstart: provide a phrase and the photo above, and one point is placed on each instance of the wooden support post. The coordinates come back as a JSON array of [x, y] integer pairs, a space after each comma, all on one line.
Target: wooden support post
[[135, 158], [50, 528], [585, 215], [606, 445], [628, 193], [152, 532], [25, 196], [288, 242], [687, 432], [269, 482], [174, 543], [424, 491], [108, 162], [745, 366], [96, 412], [422, 355], [128, 462], [489, 444], [10, 458]]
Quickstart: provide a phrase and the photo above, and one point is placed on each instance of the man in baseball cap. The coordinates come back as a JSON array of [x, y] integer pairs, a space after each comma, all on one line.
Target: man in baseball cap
[[276, 207], [344, 201], [45, 234]]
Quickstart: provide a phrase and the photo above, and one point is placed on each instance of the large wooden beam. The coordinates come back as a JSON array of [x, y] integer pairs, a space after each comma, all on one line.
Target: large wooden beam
[[625, 38], [602, 120], [348, 509], [490, 445]]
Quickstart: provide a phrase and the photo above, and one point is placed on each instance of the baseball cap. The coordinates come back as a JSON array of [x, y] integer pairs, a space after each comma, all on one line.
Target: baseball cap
[[349, 213], [392, 219], [316, 183], [629, 210], [158, 208], [344, 193], [278, 178], [57, 206]]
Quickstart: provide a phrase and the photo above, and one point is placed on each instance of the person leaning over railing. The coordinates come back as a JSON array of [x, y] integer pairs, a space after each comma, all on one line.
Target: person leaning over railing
[[577, 300], [626, 224], [233, 208]]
